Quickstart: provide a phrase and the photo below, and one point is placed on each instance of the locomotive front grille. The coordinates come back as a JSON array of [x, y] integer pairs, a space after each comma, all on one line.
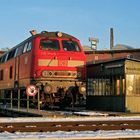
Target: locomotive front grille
[[72, 74]]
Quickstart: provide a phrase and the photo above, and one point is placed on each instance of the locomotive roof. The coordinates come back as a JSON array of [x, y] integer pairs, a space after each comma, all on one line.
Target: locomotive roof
[[45, 34], [54, 34]]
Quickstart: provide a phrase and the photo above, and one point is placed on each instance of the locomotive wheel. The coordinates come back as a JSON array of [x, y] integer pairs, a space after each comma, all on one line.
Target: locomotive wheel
[[47, 88]]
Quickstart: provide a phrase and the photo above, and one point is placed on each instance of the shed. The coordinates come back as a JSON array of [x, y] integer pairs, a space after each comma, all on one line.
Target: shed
[[114, 85]]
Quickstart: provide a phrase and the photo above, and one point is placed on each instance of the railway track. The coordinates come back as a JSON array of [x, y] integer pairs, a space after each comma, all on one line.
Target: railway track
[[69, 126]]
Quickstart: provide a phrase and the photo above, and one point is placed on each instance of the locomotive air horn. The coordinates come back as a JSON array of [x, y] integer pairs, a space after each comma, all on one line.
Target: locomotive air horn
[[33, 32]]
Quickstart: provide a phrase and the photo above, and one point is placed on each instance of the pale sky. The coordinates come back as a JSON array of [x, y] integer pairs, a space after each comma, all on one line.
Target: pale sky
[[80, 18]]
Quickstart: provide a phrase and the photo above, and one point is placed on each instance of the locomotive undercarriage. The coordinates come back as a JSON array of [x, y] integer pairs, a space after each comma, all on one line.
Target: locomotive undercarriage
[[60, 93], [50, 93]]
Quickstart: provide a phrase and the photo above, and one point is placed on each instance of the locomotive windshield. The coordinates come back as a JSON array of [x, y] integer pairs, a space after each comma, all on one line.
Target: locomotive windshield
[[49, 44], [69, 45]]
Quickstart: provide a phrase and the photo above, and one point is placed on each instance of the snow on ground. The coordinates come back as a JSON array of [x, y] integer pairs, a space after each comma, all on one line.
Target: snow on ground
[[60, 135], [90, 113], [73, 118]]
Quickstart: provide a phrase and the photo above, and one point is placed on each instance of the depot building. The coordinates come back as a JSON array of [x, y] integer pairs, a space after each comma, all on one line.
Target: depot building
[[114, 85]]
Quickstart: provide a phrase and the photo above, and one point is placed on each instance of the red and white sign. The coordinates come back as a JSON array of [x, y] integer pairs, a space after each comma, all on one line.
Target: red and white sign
[[31, 90]]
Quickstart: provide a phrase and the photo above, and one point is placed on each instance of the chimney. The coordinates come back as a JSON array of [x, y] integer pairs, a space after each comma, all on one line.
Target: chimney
[[111, 38]]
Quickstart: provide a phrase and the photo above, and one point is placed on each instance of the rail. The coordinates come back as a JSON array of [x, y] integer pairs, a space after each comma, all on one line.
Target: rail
[[69, 126]]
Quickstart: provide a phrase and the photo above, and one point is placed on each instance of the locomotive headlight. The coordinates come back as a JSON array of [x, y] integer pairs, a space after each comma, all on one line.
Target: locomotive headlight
[[59, 34], [44, 73], [82, 89]]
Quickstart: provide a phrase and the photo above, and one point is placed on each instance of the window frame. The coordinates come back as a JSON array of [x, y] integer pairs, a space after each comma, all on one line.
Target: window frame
[[29, 48], [73, 42], [25, 47], [50, 49]]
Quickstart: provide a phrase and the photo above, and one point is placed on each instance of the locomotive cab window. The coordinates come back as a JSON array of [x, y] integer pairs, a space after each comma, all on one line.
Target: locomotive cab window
[[19, 50], [11, 54], [49, 45], [16, 51], [4, 58], [25, 47], [29, 46], [69, 45]]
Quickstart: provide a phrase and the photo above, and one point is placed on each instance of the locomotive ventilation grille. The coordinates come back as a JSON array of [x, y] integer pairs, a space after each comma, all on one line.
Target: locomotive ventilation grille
[[71, 74]]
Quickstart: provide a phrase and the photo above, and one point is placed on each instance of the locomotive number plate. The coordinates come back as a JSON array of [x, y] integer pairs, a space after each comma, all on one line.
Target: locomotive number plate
[[62, 63]]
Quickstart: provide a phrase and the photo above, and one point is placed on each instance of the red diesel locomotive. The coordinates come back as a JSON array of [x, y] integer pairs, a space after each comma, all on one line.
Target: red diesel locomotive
[[51, 63]]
